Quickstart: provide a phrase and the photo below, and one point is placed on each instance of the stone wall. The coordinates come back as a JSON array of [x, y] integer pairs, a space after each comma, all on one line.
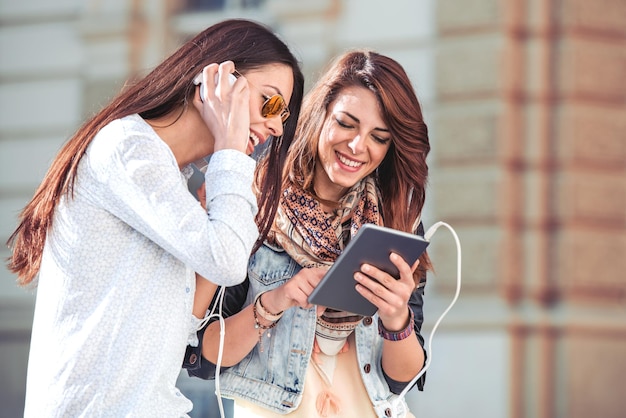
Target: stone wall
[[531, 165]]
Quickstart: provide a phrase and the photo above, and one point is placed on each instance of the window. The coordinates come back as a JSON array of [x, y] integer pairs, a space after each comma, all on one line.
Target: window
[[208, 5], [205, 4]]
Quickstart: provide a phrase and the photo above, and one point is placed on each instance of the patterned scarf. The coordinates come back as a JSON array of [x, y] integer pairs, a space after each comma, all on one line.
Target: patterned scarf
[[314, 238]]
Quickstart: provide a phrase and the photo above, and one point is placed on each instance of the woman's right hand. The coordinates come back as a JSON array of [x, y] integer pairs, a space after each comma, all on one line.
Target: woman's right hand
[[226, 108], [295, 292], [244, 335]]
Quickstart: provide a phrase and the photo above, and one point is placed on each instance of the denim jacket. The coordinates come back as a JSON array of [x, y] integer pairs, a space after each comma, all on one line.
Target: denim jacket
[[275, 377]]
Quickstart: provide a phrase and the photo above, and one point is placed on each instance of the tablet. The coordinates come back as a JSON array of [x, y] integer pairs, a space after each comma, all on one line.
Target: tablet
[[372, 244]]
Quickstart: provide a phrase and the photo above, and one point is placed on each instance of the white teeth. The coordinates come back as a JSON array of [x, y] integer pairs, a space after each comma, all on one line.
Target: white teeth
[[255, 139], [347, 162]]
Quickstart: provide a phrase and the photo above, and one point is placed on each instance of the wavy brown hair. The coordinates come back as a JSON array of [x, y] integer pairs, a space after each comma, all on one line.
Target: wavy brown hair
[[403, 173], [169, 86]]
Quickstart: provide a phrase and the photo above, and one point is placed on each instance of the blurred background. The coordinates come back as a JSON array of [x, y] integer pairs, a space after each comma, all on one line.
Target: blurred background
[[526, 106]]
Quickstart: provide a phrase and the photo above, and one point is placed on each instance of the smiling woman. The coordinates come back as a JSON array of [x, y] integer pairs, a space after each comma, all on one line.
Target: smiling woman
[[353, 142], [114, 239], [268, 108], [359, 157]]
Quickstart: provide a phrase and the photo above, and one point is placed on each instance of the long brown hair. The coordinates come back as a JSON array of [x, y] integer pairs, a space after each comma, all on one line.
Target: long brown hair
[[169, 86], [403, 173]]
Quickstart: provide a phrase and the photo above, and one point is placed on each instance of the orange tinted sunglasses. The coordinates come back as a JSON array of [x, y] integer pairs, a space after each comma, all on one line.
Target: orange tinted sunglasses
[[274, 105]]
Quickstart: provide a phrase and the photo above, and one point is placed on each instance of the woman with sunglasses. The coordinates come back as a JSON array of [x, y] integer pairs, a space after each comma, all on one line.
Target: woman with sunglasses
[[359, 156], [112, 237]]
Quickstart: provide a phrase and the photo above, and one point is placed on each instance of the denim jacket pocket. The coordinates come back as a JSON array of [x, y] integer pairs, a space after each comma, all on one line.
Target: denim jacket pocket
[[271, 266]]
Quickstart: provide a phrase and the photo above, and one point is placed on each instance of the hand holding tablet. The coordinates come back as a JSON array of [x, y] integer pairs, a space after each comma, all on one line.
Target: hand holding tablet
[[372, 244]]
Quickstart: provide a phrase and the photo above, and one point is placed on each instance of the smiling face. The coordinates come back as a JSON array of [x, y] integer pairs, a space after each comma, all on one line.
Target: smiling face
[[353, 142], [265, 82]]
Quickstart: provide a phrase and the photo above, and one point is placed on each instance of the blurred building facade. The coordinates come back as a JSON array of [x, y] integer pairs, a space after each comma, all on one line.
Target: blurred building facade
[[526, 105]]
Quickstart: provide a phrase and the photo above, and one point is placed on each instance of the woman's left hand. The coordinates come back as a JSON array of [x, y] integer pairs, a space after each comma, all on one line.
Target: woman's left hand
[[389, 295]]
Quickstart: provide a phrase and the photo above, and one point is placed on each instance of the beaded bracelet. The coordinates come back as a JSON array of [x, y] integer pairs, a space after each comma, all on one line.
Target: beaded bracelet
[[265, 314], [260, 327], [397, 335]]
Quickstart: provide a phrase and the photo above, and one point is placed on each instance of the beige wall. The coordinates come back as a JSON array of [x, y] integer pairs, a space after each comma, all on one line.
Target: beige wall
[[526, 106]]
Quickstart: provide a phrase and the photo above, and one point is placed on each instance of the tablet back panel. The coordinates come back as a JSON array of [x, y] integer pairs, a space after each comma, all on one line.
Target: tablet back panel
[[372, 244]]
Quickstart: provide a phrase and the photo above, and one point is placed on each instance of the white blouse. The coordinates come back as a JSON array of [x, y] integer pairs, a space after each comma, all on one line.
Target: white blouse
[[115, 289]]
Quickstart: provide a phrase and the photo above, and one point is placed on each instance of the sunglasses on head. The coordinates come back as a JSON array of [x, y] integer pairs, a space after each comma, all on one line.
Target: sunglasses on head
[[274, 105]]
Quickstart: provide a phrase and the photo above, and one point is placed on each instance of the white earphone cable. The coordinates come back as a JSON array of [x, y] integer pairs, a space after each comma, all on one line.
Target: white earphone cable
[[207, 318], [431, 231]]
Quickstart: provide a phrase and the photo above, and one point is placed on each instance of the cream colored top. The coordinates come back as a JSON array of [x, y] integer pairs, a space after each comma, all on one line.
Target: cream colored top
[[345, 386]]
